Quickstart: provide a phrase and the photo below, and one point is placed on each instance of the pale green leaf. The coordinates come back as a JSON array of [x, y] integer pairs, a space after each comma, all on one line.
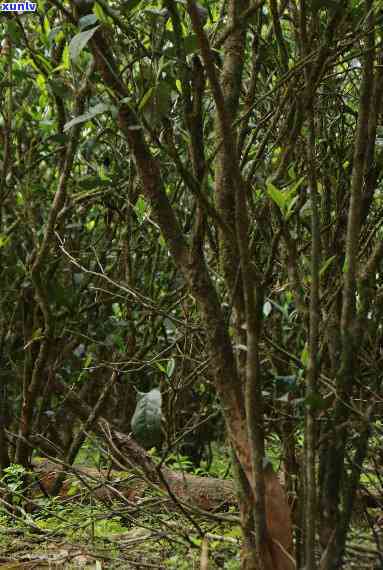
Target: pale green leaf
[[88, 20], [146, 420], [93, 112], [79, 41], [170, 367]]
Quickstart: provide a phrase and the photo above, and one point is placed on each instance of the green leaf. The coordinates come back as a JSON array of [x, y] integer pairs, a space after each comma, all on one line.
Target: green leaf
[[116, 308], [88, 20], [276, 195], [326, 264], [4, 240], [93, 112], [285, 199], [47, 27], [141, 209], [294, 188], [37, 333], [170, 367], [88, 360], [146, 98], [146, 420], [305, 356], [79, 41], [65, 57], [46, 64], [73, 489], [99, 12], [290, 207], [160, 367]]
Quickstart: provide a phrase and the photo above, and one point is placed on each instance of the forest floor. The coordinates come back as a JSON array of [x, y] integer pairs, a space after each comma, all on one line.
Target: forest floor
[[152, 534], [106, 519]]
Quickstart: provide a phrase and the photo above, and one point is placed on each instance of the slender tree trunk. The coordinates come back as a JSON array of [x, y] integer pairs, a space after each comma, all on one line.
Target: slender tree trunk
[[335, 474]]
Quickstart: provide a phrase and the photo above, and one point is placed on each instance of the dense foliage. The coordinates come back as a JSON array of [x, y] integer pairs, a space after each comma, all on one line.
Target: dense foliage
[[191, 201]]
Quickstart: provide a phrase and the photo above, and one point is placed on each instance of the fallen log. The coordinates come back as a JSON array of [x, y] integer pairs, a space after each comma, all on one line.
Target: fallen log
[[207, 493]]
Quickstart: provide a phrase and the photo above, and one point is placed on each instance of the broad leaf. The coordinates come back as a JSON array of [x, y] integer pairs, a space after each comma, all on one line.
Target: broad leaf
[[79, 41], [285, 199], [276, 195], [267, 308], [93, 112], [88, 20], [146, 420]]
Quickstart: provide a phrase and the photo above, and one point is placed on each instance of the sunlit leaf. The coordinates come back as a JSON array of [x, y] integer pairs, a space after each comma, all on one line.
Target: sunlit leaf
[[99, 12], [66, 57], [4, 240], [284, 199], [46, 25], [276, 195], [90, 225], [305, 356]]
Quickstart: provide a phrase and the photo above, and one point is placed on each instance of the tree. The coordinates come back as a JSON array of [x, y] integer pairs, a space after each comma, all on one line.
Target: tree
[[242, 140]]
